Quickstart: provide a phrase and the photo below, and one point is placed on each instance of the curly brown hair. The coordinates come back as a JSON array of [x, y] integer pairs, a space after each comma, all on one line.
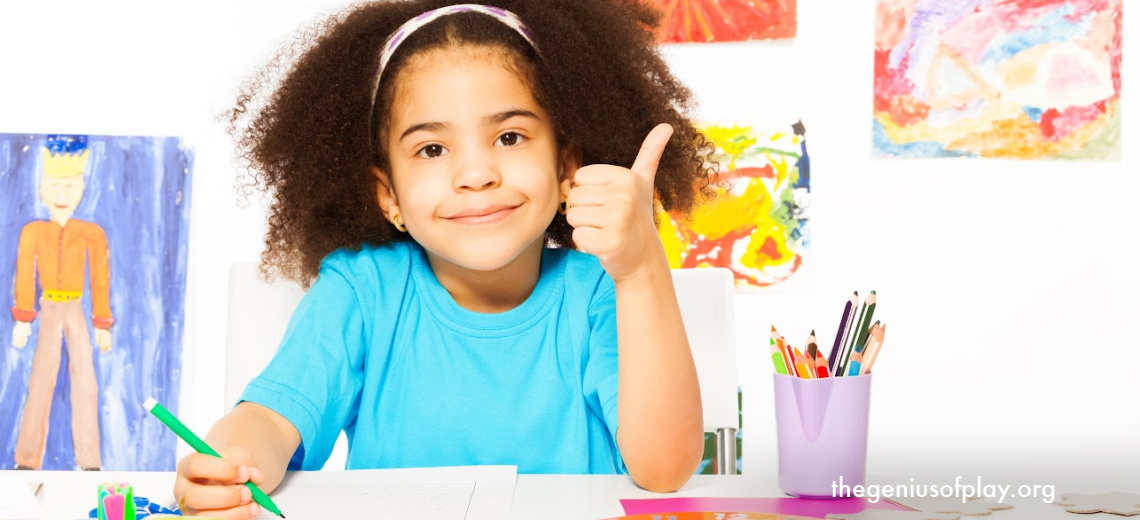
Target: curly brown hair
[[305, 129]]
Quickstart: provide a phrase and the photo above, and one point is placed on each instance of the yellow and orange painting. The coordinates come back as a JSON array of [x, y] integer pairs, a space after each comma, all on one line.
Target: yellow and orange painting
[[757, 224]]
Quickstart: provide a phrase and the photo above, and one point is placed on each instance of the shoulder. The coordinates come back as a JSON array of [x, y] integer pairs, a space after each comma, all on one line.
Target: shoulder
[[370, 267], [584, 274], [87, 228], [35, 226]]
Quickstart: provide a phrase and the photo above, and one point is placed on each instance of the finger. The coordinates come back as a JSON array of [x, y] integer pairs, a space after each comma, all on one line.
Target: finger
[[197, 466], [589, 240], [244, 512], [216, 497], [587, 196], [645, 166], [588, 216], [237, 454], [597, 174], [256, 476]]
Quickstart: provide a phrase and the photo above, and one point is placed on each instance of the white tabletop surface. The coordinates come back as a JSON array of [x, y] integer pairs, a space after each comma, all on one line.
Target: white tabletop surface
[[70, 495]]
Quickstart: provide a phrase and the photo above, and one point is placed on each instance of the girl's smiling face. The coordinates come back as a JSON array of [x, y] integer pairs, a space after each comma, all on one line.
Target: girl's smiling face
[[474, 163]]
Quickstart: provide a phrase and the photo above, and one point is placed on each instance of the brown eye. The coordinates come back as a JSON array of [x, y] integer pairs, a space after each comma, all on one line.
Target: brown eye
[[431, 150], [511, 139]]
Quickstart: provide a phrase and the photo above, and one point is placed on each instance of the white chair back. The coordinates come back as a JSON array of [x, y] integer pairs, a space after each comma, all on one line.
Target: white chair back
[[708, 308]]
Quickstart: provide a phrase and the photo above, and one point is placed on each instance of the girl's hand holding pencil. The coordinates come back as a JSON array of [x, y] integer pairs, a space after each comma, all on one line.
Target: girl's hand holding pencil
[[856, 346], [215, 486], [218, 484]]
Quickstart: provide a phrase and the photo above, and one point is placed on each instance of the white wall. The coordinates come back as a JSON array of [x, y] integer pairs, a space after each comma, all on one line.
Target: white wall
[[1010, 287]]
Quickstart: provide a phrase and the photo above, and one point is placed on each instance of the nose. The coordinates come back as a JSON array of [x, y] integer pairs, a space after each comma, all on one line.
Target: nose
[[477, 172]]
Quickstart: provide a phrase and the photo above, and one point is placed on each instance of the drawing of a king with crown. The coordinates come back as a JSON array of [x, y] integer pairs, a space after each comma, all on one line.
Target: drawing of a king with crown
[[58, 254]]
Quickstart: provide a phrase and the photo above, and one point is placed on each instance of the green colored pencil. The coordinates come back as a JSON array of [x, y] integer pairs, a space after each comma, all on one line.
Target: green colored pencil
[[200, 446], [865, 328], [859, 330]]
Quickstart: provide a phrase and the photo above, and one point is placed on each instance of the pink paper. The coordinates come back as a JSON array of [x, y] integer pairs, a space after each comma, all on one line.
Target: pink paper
[[781, 506]]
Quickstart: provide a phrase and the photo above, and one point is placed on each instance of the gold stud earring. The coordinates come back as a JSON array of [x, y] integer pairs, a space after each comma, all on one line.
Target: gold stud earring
[[398, 221], [563, 207]]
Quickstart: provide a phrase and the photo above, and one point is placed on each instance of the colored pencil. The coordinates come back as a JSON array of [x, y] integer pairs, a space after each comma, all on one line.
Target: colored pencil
[[777, 358], [870, 333], [821, 365], [791, 355], [853, 363], [809, 362], [812, 356], [874, 348], [844, 324], [801, 366], [849, 341], [788, 361], [858, 330], [865, 327], [200, 446]]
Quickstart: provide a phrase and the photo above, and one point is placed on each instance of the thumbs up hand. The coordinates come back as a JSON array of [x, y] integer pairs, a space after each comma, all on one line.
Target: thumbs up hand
[[611, 210]]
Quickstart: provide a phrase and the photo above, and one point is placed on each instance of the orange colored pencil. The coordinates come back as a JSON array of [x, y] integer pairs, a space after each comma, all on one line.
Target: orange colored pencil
[[801, 366]]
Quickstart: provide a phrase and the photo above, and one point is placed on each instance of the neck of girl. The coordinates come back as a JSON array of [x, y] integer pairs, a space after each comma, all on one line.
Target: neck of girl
[[495, 291]]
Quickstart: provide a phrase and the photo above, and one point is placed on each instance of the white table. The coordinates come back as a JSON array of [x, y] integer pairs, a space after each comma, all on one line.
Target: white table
[[70, 495]]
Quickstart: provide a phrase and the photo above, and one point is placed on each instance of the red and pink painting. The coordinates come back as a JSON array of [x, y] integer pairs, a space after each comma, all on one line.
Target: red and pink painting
[[1021, 79]]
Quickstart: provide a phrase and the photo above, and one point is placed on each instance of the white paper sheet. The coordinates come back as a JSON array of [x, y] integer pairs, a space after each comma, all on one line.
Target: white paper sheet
[[17, 501], [447, 493]]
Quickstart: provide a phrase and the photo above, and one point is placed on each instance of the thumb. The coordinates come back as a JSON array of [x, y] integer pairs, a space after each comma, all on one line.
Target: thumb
[[645, 166]]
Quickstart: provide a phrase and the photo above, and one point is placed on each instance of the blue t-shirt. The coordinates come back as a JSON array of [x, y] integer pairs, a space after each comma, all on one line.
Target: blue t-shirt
[[378, 348]]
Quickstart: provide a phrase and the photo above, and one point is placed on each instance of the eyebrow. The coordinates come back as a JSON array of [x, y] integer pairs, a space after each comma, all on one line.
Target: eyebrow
[[493, 119]]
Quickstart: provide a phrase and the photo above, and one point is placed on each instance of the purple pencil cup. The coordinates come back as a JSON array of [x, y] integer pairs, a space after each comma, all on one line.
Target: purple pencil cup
[[821, 433]]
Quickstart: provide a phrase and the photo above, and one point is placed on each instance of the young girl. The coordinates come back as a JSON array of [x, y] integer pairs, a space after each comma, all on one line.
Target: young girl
[[422, 157]]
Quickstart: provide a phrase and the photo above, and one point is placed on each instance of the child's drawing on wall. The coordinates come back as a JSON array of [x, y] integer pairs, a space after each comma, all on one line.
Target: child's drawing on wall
[[93, 243]]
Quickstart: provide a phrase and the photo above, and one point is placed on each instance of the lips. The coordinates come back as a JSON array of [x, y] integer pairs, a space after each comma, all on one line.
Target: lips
[[483, 215]]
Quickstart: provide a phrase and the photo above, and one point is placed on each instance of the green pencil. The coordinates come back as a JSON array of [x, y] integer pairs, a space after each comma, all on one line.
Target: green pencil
[[865, 327], [859, 338], [200, 446], [858, 331]]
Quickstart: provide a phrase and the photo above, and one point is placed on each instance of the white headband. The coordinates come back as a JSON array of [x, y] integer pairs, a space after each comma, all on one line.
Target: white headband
[[508, 18], [404, 31]]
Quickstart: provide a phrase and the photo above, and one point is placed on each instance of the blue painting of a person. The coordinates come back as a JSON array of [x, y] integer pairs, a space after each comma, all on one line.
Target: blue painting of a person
[[58, 253]]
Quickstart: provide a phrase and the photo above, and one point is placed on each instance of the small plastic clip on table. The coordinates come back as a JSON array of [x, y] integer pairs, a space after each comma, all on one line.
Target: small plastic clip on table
[[116, 502]]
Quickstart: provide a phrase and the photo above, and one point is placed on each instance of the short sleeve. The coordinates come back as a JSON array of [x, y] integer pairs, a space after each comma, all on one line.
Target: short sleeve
[[600, 382], [314, 379]]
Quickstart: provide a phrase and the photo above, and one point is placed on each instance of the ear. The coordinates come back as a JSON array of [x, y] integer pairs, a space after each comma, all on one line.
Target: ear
[[568, 165], [385, 195]]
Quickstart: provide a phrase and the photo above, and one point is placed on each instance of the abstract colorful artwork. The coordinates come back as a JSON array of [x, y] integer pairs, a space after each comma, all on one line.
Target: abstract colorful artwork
[[757, 223], [93, 251], [726, 20], [1021, 79]]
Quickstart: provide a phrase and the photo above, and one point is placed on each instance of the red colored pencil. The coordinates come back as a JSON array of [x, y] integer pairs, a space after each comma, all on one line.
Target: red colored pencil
[[821, 365], [791, 355]]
